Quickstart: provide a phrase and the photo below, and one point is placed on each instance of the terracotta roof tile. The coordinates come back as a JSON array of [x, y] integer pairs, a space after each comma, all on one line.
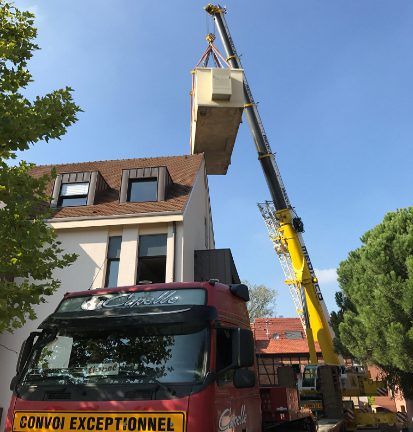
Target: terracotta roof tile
[[182, 169], [284, 346], [265, 342], [268, 326]]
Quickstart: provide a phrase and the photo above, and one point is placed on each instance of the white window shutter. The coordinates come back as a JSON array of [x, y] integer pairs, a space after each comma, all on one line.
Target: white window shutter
[[71, 189]]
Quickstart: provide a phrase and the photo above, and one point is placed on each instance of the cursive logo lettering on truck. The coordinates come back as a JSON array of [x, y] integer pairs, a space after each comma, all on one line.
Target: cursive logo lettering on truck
[[229, 421], [130, 300]]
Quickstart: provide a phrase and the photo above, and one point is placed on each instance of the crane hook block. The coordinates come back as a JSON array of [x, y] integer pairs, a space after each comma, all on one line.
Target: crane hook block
[[210, 37]]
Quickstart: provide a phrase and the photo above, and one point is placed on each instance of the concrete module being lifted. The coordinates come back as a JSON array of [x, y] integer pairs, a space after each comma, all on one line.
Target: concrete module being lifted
[[218, 102]]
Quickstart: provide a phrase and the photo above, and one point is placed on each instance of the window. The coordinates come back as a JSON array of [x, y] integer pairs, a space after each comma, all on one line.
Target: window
[[152, 258], [78, 189], [132, 355], [113, 258], [140, 190], [144, 184], [224, 354], [293, 335], [73, 194]]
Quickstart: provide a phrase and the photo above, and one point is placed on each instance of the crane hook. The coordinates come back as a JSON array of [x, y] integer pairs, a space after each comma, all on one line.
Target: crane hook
[[210, 37]]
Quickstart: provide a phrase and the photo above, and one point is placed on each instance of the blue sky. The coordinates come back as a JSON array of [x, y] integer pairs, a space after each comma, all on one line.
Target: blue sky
[[334, 82]]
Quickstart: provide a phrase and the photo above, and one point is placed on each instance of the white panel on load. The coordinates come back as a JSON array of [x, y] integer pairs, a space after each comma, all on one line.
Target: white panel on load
[[221, 84], [215, 116]]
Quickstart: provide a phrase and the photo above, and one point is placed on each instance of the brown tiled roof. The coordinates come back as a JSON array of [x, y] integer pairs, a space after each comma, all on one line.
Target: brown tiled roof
[[182, 169], [265, 343]]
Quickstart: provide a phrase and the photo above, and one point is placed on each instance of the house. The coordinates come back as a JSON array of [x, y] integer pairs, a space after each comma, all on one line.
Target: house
[[129, 221], [282, 341], [279, 341]]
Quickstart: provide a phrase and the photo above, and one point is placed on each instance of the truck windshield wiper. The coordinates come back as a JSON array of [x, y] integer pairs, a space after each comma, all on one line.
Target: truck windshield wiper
[[146, 379], [160, 384], [43, 377]]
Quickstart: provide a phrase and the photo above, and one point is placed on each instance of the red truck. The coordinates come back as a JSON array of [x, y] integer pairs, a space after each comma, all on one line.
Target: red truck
[[173, 357]]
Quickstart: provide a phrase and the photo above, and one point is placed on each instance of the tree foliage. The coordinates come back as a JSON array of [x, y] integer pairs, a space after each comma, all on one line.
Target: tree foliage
[[377, 299], [29, 249], [344, 305], [262, 301]]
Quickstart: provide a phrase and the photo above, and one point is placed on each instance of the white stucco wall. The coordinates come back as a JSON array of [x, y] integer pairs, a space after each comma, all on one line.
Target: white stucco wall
[[196, 235], [85, 272]]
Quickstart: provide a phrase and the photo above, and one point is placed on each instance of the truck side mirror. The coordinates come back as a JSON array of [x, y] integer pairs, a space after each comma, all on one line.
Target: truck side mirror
[[243, 354], [240, 290], [244, 378], [13, 383]]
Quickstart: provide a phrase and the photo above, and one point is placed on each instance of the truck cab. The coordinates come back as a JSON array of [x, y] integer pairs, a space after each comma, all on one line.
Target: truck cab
[[161, 357]]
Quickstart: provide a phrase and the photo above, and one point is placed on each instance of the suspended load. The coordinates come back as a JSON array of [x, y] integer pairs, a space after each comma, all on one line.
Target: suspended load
[[216, 111], [218, 102]]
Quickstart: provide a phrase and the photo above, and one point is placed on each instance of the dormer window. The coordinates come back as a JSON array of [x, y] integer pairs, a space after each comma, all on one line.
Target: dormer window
[[144, 184], [78, 189], [73, 194], [145, 189]]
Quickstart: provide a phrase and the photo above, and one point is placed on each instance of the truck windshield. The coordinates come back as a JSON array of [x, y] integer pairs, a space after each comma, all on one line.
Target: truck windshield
[[161, 354]]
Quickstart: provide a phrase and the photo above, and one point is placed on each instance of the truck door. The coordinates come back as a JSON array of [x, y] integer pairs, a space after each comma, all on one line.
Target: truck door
[[236, 410]]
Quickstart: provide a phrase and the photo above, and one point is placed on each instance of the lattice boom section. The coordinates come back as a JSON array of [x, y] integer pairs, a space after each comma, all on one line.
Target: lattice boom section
[[268, 212]]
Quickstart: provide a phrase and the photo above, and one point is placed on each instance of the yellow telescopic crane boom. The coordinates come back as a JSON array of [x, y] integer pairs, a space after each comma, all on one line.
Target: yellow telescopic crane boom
[[284, 226]]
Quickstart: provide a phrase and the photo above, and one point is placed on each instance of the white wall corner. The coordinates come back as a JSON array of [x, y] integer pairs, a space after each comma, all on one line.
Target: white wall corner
[[128, 256], [170, 254], [179, 250]]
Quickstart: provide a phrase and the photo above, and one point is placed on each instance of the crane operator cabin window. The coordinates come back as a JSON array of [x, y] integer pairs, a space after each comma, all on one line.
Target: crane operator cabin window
[[152, 258]]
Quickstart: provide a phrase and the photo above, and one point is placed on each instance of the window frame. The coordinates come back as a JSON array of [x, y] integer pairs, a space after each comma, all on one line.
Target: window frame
[[146, 258], [132, 181], [61, 197], [110, 260]]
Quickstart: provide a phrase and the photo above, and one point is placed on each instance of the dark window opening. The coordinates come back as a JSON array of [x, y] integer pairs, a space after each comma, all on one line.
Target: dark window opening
[[152, 258], [73, 194], [152, 269], [112, 265], [141, 190], [224, 354]]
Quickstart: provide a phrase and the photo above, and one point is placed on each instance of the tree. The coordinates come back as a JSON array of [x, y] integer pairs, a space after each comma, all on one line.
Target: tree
[[377, 299], [262, 301], [336, 318], [29, 249]]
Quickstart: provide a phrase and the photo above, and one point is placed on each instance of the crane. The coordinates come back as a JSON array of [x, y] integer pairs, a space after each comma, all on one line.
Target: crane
[[284, 226], [285, 229]]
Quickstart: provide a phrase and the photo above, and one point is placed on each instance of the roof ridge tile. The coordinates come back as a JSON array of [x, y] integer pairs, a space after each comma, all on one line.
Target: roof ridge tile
[[184, 156]]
